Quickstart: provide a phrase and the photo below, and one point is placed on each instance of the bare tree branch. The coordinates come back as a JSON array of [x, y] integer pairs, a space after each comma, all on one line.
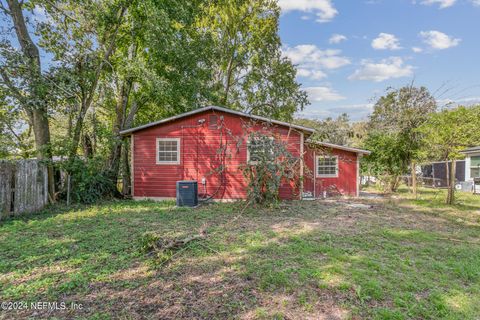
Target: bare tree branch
[[5, 10]]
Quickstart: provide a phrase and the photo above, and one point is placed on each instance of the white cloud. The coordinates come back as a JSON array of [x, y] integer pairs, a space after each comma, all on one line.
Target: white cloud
[[442, 3], [323, 9], [312, 61], [311, 55], [417, 49], [439, 40], [320, 94], [312, 74], [337, 38], [386, 41], [390, 68]]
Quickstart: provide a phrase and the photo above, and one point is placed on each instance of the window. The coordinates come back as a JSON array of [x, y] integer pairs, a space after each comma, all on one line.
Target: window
[[475, 166], [259, 148], [168, 150], [213, 121], [327, 166]]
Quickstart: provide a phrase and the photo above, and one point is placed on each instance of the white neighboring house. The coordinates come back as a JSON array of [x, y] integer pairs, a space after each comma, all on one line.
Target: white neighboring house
[[472, 163]]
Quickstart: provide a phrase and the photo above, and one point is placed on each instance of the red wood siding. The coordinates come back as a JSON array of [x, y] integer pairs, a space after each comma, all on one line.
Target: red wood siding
[[345, 183], [199, 157]]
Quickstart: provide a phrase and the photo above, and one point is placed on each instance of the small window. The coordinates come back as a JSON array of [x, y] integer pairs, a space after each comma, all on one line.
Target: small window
[[475, 167], [213, 121], [258, 149], [168, 150], [327, 166]]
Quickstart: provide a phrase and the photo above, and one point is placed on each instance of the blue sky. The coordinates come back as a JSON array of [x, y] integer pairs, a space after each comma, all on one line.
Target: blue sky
[[350, 51]]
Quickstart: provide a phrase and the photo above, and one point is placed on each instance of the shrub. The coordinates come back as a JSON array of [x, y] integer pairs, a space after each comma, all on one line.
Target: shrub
[[89, 182]]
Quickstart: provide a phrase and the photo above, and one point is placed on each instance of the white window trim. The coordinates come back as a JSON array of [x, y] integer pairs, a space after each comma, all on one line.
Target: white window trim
[[470, 165], [318, 175], [248, 152], [178, 151]]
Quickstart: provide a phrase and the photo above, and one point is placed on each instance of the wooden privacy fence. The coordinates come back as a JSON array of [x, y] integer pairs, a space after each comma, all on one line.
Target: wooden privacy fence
[[23, 187]]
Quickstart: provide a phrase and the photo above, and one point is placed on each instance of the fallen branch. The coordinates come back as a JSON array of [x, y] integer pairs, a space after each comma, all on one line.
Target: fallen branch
[[166, 249]]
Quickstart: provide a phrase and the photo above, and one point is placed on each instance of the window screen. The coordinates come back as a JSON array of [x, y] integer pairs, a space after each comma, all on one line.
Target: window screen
[[259, 149], [168, 151], [327, 166]]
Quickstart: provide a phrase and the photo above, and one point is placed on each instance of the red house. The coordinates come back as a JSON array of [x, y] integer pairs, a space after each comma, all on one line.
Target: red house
[[186, 147]]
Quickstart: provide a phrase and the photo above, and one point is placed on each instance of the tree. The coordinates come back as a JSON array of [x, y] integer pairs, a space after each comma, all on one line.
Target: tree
[[82, 36], [337, 131], [21, 74], [387, 160], [154, 76], [449, 131], [249, 72], [397, 115]]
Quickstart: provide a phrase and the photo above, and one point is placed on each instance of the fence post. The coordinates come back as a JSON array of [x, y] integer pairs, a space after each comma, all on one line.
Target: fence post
[[68, 189]]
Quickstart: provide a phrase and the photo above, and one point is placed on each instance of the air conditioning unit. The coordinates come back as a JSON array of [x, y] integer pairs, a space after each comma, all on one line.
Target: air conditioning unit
[[187, 193]]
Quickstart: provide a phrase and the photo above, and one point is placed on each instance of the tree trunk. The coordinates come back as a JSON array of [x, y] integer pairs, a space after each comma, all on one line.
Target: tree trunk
[[451, 186], [88, 151], [414, 178], [395, 183], [77, 131], [123, 119], [126, 182], [229, 74], [120, 110], [41, 131], [36, 105]]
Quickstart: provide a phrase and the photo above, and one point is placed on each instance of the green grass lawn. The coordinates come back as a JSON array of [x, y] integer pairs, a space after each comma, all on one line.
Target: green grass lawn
[[402, 258]]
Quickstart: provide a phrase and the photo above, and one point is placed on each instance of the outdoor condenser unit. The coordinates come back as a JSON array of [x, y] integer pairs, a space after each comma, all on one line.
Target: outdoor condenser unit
[[187, 193]]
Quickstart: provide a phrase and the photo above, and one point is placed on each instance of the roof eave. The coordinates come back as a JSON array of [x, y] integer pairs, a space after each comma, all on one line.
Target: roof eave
[[200, 110], [471, 150], [345, 148]]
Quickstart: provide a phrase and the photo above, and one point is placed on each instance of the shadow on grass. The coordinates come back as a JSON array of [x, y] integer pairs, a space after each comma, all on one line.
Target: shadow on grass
[[298, 261]]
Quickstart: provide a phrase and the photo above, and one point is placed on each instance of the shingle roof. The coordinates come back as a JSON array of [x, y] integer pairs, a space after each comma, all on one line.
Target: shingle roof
[[151, 124]]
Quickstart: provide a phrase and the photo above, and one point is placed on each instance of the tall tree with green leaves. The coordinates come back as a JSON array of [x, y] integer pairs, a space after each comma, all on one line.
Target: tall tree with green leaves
[[21, 74], [388, 158], [82, 36], [154, 76], [448, 132], [397, 116], [249, 72]]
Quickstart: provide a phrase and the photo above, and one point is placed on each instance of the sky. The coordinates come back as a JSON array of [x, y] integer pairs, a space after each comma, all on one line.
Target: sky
[[348, 52]]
